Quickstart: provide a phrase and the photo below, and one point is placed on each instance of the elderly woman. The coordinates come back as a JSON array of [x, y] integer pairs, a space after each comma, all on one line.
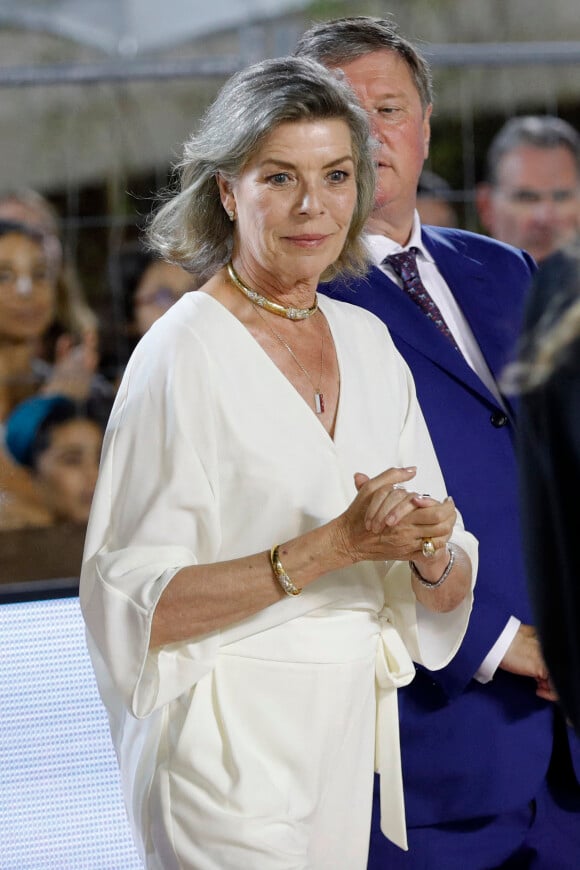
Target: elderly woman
[[260, 568]]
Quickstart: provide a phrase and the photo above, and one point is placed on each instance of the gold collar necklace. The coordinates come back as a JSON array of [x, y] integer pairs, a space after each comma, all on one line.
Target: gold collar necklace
[[267, 304]]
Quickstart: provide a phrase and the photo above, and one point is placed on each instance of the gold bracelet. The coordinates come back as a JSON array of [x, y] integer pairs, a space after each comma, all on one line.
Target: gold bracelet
[[280, 574]]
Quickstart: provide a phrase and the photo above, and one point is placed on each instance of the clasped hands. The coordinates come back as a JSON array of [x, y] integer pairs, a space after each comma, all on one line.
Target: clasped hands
[[388, 521]]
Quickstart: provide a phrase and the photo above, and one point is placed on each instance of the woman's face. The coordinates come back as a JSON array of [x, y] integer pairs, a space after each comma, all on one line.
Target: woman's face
[[161, 285], [294, 201], [27, 295], [66, 472]]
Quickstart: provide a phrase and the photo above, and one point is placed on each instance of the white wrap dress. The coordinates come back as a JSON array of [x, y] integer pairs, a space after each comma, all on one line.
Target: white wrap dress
[[253, 748]]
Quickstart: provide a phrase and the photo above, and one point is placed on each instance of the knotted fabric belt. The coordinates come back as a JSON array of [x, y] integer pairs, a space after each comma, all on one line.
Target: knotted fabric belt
[[394, 668]]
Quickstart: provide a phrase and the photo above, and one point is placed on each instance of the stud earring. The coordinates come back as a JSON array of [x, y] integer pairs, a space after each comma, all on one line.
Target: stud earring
[[231, 214]]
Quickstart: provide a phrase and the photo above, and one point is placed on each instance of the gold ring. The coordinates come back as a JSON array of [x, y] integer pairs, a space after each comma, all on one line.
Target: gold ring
[[428, 548]]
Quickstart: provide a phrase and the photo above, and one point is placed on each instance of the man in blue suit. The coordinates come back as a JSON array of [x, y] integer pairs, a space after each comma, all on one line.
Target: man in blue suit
[[489, 765]]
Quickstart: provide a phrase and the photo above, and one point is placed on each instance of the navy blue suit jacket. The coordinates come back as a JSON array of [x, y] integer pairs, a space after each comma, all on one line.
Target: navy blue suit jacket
[[469, 749]]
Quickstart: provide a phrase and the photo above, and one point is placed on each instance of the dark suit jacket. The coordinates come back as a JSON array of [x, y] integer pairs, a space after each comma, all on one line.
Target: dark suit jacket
[[549, 458], [469, 749]]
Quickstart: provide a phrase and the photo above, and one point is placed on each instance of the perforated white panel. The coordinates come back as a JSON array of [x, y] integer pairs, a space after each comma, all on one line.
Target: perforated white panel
[[60, 799]]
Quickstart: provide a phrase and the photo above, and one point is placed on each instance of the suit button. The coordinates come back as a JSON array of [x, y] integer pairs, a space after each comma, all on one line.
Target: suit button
[[498, 419]]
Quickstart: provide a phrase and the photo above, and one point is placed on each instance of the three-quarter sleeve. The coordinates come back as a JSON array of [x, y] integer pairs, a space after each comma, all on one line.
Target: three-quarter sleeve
[[154, 512], [431, 638]]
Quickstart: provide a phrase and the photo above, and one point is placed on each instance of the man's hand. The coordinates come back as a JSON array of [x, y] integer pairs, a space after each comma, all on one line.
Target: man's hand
[[524, 657]]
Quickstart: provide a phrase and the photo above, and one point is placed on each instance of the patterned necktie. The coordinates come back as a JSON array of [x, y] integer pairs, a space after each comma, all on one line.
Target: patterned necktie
[[405, 266]]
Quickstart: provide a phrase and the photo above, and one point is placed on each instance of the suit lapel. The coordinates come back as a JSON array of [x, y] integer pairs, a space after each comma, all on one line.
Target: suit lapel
[[407, 322], [467, 278]]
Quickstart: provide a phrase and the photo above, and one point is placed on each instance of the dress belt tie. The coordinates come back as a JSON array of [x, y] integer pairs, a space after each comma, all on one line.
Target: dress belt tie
[[394, 668]]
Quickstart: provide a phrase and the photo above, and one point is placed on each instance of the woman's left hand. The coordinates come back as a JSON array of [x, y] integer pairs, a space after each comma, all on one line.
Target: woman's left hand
[[415, 516], [418, 518]]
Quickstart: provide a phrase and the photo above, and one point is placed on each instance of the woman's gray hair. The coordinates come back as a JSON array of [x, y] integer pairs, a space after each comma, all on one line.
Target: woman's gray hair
[[192, 228]]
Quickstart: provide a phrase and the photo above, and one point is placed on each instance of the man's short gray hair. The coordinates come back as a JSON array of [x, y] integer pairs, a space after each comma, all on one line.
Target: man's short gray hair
[[539, 131], [342, 40], [192, 228]]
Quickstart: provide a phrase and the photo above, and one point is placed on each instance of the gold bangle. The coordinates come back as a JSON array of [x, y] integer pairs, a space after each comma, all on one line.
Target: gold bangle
[[280, 574]]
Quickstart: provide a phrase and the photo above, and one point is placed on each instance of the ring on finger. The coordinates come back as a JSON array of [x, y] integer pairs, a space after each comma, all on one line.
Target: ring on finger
[[428, 547]]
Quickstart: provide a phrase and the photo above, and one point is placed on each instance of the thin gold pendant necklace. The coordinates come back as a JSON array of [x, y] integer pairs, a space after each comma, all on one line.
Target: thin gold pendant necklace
[[268, 304], [318, 394]]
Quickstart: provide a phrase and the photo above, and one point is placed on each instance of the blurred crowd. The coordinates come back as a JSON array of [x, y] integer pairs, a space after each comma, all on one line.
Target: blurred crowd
[[56, 384], [60, 364]]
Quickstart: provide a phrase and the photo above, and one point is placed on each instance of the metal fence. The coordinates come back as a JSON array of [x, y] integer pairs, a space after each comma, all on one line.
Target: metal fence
[[115, 126]]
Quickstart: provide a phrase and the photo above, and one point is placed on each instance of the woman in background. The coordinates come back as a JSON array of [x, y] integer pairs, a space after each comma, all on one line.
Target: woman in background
[[75, 323], [28, 311], [142, 286]]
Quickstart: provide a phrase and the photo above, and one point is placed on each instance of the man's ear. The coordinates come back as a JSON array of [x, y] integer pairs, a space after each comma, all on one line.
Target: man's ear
[[427, 130]]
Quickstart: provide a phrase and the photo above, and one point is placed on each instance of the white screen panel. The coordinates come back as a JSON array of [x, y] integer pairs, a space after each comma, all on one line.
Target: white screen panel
[[60, 798]]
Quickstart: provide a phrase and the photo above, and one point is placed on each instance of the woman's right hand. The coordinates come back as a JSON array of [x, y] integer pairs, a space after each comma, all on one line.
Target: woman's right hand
[[382, 522]]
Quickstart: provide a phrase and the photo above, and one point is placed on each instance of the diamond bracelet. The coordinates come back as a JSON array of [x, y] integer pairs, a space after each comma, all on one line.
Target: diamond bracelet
[[416, 573]]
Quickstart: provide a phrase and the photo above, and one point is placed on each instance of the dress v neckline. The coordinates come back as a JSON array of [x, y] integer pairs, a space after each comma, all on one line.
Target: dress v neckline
[[324, 305]]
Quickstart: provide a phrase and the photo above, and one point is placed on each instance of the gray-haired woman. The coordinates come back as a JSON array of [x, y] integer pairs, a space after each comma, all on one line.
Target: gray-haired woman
[[250, 565]]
